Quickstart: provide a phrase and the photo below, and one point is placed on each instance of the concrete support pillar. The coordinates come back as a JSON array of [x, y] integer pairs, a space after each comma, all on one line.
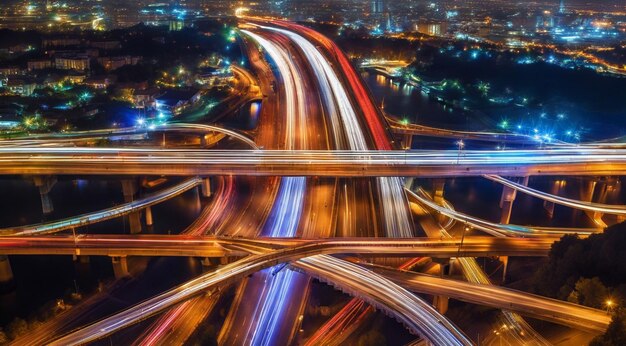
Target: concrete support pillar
[[588, 190], [438, 188], [615, 189], [505, 264], [203, 141], [149, 216], [407, 141], [554, 190], [206, 262], [441, 302], [120, 266], [525, 180], [408, 183], [438, 191], [196, 198], [82, 259], [597, 216], [206, 187], [506, 203], [224, 260], [549, 208], [605, 187], [6, 273], [587, 193], [130, 188], [45, 185]]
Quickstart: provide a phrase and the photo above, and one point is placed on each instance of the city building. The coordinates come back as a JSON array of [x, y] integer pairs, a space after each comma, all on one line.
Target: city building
[[146, 98], [174, 102], [432, 28], [22, 86], [79, 63], [98, 82], [61, 42], [39, 64], [106, 45], [10, 70], [115, 62]]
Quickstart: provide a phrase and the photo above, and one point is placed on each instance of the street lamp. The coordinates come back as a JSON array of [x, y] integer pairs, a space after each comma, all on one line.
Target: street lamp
[[461, 145], [609, 305]]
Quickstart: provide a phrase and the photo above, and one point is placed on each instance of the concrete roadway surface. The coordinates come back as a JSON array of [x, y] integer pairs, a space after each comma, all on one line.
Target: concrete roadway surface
[[240, 208], [210, 246], [369, 163], [572, 203], [552, 310], [254, 322], [243, 268]]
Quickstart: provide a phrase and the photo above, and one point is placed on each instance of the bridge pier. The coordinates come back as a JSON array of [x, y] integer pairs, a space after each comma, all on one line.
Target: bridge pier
[[81, 259], [120, 266], [206, 187], [130, 188], [206, 262], [438, 189], [45, 185], [441, 302], [408, 183], [613, 187], [554, 190], [407, 141], [6, 273], [505, 264], [196, 198], [587, 193], [148, 216], [506, 203]]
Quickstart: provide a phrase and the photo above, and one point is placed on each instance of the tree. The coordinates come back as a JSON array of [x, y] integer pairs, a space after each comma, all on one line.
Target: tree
[[589, 292], [4, 339], [17, 328], [616, 333], [599, 255]]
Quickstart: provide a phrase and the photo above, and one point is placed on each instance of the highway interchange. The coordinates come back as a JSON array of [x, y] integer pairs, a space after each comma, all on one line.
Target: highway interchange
[[323, 171]]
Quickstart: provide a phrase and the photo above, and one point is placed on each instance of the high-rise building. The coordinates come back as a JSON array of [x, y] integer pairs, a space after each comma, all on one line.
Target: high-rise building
[[122, 13], [378, 7], [562, 7]]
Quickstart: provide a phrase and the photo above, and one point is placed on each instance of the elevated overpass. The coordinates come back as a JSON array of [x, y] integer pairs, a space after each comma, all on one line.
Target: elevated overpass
[[102, 215], [496, 229], [403, 310], [209, 246], [572, 203], [547, 309], [415, 163], [72, 138], [401, 128]]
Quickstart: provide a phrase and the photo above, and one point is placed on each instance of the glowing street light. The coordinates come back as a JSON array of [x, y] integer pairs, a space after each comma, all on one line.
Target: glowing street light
[[461, 145], [609, 305]]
